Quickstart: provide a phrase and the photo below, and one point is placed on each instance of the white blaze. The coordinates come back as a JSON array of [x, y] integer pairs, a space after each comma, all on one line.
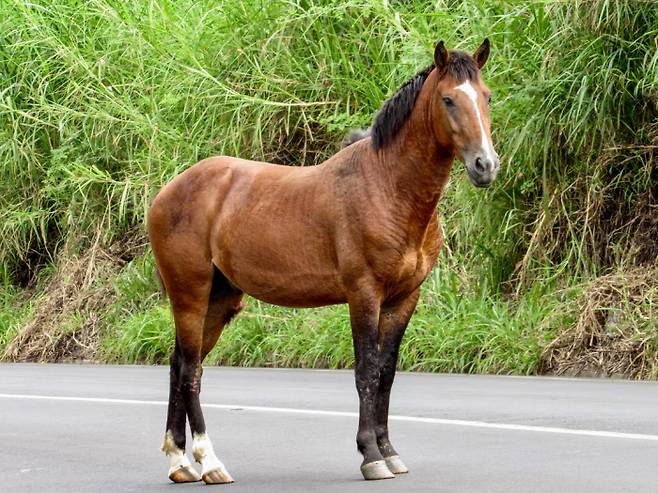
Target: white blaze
[[487, 147]]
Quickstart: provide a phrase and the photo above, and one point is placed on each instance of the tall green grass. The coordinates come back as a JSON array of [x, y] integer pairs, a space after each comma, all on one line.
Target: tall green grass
[[104, 101]]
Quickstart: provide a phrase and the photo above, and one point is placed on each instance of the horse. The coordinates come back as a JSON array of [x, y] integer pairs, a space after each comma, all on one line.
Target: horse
[[360, 228]]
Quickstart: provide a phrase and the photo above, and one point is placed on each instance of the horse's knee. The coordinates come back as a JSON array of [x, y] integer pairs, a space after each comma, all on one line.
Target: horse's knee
[[175, 364], [190, 376]]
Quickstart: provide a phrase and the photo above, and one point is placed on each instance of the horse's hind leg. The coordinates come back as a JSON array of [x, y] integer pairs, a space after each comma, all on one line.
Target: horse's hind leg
[[202, 302], [224, 303], [188, 291], [180, 469], [393, 321]]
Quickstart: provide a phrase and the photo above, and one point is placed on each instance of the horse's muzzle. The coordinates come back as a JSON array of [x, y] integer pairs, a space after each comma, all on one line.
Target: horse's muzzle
[[483, 170]]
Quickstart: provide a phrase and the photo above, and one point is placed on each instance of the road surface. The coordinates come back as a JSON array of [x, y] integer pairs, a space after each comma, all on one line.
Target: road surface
[[70, 428]]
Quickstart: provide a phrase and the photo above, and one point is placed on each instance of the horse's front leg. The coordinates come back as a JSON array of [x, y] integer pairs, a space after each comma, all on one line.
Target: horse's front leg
[[364, 316], [393, 321]]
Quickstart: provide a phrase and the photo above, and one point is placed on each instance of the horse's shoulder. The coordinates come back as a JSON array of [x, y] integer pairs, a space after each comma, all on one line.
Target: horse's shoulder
[[433, 239]]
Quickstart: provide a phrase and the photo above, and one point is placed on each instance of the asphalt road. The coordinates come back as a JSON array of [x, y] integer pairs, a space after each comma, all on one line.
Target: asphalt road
[[69, 428]]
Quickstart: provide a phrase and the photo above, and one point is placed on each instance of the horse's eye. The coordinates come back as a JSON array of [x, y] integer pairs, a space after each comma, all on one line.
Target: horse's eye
[[448, 102], [488, 99]]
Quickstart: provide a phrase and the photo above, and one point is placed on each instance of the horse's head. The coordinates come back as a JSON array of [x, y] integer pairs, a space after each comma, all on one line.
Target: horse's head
[[460, 111]]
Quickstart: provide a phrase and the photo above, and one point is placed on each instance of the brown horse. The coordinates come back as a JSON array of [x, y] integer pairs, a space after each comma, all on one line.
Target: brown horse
[[360, 228]]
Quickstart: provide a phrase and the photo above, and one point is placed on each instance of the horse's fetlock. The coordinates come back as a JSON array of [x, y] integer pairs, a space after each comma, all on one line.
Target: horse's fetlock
[[201, 446], [385, 446], [169, 446], [364, 438], [382, 432]]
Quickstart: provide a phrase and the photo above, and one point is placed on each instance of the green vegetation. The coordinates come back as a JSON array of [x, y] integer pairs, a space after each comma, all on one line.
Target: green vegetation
[[104, 101]]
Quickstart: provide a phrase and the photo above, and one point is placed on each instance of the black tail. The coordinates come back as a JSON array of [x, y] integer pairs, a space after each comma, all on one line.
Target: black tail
[[354, 136]]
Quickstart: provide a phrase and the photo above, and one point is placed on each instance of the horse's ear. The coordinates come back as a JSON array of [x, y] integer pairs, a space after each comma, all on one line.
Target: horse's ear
[[440, 56], [482, 53]]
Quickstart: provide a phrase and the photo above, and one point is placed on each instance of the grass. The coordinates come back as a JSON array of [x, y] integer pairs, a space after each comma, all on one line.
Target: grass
[[13, 313], [104, 101]]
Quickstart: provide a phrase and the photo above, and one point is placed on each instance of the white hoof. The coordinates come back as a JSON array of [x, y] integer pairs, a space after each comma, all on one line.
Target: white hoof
[[217, 476], [376, 470], [395, 465], [184, 474]]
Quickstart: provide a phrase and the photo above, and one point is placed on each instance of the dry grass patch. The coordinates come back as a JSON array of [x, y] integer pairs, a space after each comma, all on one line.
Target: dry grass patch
[[615, 329], [66, 318]]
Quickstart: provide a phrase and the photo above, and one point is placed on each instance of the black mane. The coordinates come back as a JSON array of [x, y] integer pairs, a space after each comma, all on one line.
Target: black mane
[[396, 110]]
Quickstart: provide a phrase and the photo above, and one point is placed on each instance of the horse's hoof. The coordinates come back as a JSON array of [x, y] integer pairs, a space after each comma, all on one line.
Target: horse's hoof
[[395, 465], [217, 476], [184, 474], [376, 470]]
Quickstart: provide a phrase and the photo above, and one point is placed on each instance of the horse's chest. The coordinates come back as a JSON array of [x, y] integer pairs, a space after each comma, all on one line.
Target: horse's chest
[[410, 270], [412, 266], [411, 263]]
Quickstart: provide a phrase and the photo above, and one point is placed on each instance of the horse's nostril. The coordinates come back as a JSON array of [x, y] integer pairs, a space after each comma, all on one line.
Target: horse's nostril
[[479, 165]]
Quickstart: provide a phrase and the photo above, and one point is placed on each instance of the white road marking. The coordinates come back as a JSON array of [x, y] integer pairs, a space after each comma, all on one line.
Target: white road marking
[[487, 146], [321, 412]]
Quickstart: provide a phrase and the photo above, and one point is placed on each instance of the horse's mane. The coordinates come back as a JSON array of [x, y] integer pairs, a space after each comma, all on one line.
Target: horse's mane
[[396, 110]]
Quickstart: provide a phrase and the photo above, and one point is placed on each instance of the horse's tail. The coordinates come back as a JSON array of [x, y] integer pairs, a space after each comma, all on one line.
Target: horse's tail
[[354, 136], [163, 290]]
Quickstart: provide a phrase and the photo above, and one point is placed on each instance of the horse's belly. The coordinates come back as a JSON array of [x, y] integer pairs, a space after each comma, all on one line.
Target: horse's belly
[[295, 297], [293, 290], [286, 279]]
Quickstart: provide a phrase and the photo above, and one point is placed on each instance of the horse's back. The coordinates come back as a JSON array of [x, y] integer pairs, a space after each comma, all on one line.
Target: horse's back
[[202, 190], [268, 228]]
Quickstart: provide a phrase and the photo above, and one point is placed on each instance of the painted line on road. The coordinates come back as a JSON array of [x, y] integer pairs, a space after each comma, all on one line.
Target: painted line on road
[[320, 412]]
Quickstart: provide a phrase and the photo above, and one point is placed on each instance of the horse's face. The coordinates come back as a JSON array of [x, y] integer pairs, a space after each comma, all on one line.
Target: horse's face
[[461, 112]]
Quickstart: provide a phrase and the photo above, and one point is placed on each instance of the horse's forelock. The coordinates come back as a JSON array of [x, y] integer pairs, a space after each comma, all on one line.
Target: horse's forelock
[[461, 67]]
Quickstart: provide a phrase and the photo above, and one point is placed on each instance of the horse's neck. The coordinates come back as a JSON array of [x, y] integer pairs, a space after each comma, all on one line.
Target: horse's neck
[[418, 169]]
